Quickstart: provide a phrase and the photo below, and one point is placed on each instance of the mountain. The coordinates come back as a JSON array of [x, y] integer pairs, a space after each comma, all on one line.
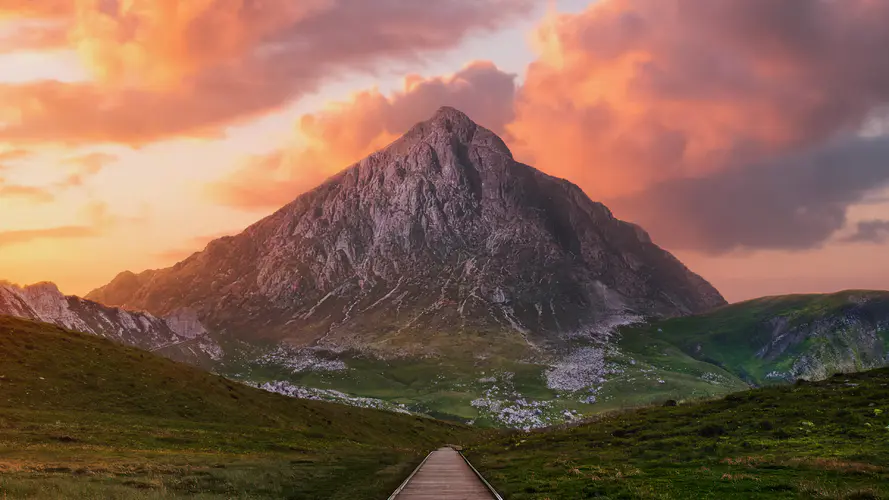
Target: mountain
[[439, 236], [180, 335], [778, 339], [84, 417]]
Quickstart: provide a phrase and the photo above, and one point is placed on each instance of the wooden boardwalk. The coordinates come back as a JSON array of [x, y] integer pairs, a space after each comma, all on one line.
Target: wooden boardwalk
[[444, 475]]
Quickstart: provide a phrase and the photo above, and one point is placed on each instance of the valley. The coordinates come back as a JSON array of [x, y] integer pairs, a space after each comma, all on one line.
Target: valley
[[733, 348]]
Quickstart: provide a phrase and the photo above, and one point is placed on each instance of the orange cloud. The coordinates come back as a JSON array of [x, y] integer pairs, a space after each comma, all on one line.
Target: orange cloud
[[63, 232], [161, 42], [96, 214], [164, 68], [76, 169], [30, 37], [85, 166], [14, 155], [83, 113], [629, 93], [18, 9], [30, 193], [347, 131]]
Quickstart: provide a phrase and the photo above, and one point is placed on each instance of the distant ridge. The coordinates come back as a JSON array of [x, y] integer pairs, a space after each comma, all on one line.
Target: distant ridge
[[181, 330]]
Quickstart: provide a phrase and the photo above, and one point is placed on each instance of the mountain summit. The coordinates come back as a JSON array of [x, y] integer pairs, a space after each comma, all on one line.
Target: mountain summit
[[438, 235]]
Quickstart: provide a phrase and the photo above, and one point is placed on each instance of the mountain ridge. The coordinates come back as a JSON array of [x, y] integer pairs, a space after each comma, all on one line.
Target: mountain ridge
[[46, 303]]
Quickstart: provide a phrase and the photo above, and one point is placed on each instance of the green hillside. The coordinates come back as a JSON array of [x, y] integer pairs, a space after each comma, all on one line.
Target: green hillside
[[81, 417], [778, 339], [823, 440]]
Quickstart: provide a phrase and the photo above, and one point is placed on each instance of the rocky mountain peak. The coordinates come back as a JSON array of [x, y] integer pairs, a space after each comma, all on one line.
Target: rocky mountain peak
[[442, 231], [44, 286], [122, 288], [447, 125]]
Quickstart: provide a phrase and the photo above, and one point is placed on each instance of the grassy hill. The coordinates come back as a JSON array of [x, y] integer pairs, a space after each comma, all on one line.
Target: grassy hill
[[82, 417], [778, 339], [822, 440]]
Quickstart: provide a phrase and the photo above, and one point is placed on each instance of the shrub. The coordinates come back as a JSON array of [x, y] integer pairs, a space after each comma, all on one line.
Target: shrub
[[711, 430], [781, 434]]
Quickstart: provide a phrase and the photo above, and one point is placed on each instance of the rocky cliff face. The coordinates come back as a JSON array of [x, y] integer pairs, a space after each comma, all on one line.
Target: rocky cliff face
[[443, 231], [180, 333]]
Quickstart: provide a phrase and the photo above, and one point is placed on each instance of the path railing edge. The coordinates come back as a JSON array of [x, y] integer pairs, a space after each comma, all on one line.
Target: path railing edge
[[395, 494], [482, 478]]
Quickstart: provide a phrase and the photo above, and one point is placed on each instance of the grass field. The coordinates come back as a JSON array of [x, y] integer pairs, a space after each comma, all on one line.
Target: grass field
[[443, 385], [826, 440], [82, 418]]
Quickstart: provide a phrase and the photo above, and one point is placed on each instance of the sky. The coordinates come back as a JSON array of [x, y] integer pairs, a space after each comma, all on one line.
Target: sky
[[749, 137]]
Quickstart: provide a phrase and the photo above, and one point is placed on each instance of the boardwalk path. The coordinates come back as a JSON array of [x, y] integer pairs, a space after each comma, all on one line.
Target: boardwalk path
[[444, 475]]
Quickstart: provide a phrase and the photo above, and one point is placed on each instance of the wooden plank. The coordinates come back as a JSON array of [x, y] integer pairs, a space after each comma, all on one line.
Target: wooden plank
[[444, 475]]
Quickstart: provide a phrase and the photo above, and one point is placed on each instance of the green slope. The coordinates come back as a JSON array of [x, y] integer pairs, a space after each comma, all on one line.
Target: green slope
[[81, 417], [780, 339], [824, 440], [650, 370]]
